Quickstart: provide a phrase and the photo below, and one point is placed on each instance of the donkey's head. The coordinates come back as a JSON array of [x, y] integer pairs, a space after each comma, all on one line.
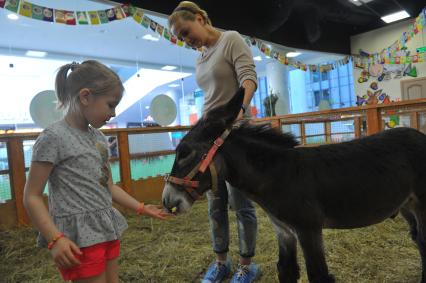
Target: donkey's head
[[198, 164]]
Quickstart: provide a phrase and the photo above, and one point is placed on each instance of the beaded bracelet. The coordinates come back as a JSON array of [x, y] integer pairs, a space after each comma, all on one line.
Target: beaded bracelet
[[54, 240], [139, 211]]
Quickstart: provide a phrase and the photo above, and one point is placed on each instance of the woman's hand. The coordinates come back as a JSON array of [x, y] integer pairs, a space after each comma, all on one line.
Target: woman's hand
[[63, 253], [156, 211]]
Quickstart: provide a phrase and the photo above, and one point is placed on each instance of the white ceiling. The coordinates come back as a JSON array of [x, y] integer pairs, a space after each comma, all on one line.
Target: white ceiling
[[119, 41]]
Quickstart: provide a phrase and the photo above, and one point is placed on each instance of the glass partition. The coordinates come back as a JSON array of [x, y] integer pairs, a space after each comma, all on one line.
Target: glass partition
[[150, 64], [5, 193]]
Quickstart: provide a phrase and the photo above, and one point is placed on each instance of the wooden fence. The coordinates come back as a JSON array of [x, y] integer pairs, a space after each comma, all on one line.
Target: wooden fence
[[311, 129]]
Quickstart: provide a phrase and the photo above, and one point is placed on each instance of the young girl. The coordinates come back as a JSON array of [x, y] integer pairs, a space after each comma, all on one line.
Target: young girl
[[81, 228]]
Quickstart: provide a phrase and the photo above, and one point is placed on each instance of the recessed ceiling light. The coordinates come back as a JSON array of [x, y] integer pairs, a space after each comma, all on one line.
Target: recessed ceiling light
[[33, 53], [293, 54], [395, 16], [257, 58], [13, 17], [169, 68], [174, 85], [360, 2], [150, 37]]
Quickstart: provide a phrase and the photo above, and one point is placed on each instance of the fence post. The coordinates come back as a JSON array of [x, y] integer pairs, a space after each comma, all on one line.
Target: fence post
[[124, 161], [302, 133], [357, 127], [275, 123], [373, 121], [15, 154], [327, 131], [414, 121]]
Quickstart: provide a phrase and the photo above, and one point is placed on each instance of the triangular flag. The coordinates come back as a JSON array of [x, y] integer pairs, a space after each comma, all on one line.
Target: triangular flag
[[145, 21], [126, 10], [119, 13], [26, 9], [153, 25], [37, 13], [160, 29], [12, 5], [48, 14], [82, 18], [167, 34], [94, 17], [110, 14], [397, 60], [70, 18], [137, 15], [103, 18], [60, 16]]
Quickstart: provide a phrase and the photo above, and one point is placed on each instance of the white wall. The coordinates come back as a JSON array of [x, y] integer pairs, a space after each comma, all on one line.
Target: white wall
[[375, 41]]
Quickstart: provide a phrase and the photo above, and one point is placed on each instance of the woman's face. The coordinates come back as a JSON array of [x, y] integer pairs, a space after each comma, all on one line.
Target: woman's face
[[192, 32]]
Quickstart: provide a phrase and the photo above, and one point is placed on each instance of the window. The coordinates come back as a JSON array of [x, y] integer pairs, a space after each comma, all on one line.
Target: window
[[334, 88], [260, 95]]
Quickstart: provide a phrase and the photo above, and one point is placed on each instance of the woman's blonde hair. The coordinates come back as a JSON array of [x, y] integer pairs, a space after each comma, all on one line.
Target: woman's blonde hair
[[187, 10], [90, 74]]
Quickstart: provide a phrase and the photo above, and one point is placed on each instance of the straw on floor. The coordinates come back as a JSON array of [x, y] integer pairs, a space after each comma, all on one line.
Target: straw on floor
[[179, 250]]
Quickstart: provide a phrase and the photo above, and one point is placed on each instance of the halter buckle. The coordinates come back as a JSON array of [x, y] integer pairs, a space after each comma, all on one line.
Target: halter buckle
[[166, 177]]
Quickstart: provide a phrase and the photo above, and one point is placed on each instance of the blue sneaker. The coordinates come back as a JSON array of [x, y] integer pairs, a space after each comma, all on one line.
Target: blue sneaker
[[217, 272], [246, 273]]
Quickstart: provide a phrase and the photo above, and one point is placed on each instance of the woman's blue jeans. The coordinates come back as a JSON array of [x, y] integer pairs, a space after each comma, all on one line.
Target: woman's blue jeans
[[218, 203]]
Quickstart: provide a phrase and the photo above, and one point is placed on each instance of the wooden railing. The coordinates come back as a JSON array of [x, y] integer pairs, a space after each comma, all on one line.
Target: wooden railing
[[361, 121]]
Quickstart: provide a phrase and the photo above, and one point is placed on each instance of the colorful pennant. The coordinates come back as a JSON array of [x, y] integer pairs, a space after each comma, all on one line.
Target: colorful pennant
[[389, 55]]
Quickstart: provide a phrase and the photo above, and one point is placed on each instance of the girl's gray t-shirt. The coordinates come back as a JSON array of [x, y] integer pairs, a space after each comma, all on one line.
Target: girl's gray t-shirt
[[80, 201]]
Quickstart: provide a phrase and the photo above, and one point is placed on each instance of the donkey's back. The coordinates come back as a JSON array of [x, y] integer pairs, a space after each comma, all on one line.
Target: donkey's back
[[365, 181]]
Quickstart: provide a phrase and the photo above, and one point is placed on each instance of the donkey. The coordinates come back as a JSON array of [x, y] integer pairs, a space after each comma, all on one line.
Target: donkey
[[303, 190]]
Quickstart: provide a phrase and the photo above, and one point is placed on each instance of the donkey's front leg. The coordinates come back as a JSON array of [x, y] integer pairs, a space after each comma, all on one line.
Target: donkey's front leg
[[288, 269], [312, 245]]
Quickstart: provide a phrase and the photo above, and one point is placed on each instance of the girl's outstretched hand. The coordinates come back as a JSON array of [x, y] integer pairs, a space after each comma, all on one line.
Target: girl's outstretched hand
[[63, 253], [156, 211]]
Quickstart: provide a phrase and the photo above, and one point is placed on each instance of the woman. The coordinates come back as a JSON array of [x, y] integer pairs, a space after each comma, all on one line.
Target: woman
[[225, 64]]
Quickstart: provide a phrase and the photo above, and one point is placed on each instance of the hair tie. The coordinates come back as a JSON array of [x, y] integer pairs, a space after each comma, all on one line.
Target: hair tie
[[74, 64]]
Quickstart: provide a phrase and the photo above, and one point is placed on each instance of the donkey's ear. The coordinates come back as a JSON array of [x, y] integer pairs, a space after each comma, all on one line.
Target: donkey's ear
[[229, 112]]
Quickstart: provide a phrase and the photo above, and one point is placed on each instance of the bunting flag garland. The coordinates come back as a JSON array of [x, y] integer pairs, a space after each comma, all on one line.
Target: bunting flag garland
[[394, 54]]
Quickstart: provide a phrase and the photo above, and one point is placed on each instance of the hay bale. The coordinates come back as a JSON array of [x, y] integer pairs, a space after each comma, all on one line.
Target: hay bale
[[179, 250]]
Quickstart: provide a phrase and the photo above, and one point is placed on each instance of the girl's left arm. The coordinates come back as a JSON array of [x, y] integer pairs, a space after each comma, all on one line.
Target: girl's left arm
[[121, 197]]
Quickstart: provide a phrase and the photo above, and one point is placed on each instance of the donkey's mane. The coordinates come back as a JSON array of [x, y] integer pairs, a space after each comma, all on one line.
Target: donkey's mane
[[264, 134]]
